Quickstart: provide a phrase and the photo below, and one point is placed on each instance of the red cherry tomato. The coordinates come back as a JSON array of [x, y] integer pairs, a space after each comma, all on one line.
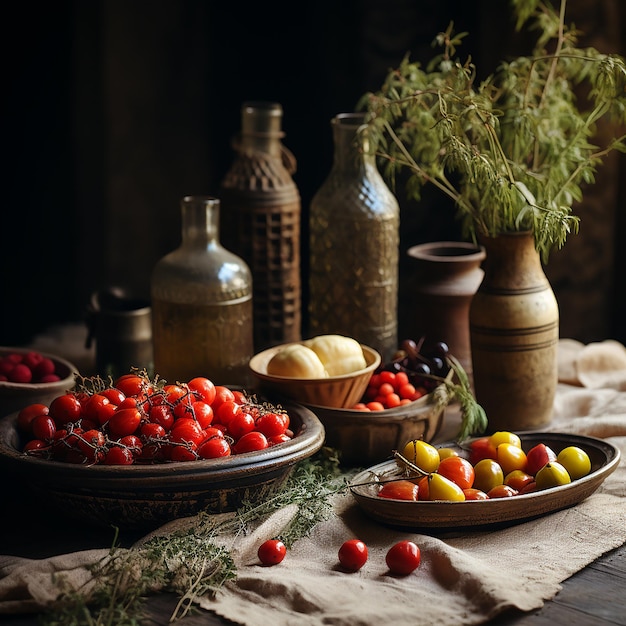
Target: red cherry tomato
[[124, 422], [130, 384], [43, 427], [241, 424], [480, 449], [151, 430], [272, 424], [115, 396], [96, 408], [203, 388], [214, 448], [352, 554], [251, 442], [162, 414], [119, 455], [403, 558], [27, 414], [222, 394], [185, 452], [458, 470], [399, 490], [203, 413], [65, 408], [272, 552], [226, 411], [475, 494], [187, 429]]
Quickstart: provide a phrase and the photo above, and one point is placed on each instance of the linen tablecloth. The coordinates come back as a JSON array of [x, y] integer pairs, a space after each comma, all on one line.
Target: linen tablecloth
[[464, 579]]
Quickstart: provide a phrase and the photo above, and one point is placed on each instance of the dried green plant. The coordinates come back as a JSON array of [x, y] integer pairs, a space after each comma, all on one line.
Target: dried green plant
[[514, 150]]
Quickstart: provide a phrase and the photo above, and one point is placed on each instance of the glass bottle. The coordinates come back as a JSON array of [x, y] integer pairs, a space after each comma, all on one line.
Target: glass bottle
[[261, 222], [354, 246], [202, 303]]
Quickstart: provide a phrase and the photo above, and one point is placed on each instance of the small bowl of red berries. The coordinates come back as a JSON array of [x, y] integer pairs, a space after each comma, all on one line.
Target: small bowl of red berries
[[28, 376]]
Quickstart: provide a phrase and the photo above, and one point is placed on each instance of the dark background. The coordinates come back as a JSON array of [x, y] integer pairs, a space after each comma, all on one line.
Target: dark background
[[116, 109]]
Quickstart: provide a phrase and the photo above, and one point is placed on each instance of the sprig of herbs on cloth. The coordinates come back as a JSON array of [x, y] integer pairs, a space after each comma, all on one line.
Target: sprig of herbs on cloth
[[191, 562]]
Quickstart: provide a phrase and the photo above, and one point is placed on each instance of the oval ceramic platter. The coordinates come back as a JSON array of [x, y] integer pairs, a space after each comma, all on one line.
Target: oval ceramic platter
[[498, 512]]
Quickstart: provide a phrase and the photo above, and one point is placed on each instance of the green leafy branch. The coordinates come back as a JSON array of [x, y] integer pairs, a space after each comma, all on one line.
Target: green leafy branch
[[514, 150], [191, 562]]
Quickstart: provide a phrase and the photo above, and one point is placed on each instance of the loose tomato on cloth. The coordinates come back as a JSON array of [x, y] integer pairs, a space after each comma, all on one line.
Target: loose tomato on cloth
[[272, 552], [403, 558], [353, 555]]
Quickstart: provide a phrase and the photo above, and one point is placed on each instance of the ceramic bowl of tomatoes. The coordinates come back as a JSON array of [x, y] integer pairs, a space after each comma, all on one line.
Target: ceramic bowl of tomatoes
[[366, 437], [136, 457], [29, 376]]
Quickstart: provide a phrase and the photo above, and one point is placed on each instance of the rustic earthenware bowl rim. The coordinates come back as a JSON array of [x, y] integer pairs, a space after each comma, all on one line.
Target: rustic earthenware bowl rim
[[308, 439]]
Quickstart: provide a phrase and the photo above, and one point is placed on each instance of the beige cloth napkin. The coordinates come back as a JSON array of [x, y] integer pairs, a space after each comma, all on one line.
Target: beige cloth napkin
[[464, 579]]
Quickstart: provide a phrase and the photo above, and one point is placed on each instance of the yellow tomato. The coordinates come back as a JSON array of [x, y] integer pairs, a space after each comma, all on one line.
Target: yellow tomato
[[487, 475], [422, 454], [510, 457], [552, 474], [575, 460], [444, 453], [504, 436], [441, 488]]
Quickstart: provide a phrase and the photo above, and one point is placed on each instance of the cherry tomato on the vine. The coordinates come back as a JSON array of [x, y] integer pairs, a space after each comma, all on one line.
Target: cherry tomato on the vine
[[28, 413], [130, 384], [65, 408], [214, 448], [203, 388], [251, 442]]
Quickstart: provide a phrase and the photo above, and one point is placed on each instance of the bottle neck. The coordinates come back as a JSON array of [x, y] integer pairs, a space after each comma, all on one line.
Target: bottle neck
[[350, 146], [261, 127], [200, 220]]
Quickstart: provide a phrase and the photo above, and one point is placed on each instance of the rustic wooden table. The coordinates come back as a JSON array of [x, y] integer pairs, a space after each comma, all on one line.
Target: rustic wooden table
[[595, 596]]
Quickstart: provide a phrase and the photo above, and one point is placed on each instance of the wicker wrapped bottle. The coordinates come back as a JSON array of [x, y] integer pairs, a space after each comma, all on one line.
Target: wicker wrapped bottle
[[354, 246], [261, 222], [202, 303]]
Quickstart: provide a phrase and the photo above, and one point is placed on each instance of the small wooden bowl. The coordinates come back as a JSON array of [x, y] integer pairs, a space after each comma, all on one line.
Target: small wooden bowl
[[15, 396], [367, 437], [335, 391]]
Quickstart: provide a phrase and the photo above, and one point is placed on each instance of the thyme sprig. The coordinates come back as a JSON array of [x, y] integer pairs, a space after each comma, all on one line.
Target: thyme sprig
[[193, 562]]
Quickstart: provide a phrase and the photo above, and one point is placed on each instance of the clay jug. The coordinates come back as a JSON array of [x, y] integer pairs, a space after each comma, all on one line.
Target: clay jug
[[514, 332], [445, 276]]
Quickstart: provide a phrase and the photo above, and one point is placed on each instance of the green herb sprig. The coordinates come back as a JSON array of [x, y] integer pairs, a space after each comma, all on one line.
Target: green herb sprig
[[514, 150], [193, 562]]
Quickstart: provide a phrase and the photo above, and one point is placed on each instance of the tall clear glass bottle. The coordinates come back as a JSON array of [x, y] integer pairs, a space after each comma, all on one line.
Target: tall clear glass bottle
[[261, 222], [202, 303], [354, 246]]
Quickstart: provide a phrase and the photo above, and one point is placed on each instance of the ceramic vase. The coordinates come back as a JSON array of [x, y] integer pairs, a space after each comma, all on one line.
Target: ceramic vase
[[354, 237], [445, 275], [514, 332]]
